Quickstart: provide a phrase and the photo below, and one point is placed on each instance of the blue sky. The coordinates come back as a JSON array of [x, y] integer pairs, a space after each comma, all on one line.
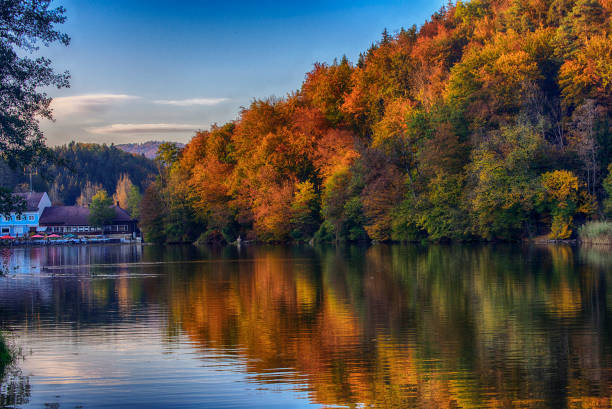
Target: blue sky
[[159, 70]]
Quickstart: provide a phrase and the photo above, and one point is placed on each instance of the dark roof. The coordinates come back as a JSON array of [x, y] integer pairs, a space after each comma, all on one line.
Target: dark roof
[[76, 216], [121, 215], [32, 200], [70, 215]]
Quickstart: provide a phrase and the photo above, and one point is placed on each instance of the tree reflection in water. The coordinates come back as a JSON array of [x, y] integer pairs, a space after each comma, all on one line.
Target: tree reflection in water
[[385, 325], [408, 326]]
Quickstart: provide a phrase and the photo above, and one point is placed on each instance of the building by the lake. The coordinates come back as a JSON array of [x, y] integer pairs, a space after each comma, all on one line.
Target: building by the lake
[[75, 220], [19, 225], [40, 216]]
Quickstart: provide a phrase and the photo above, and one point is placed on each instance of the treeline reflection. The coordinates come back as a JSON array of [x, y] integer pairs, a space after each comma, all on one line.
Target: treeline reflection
[[391, 326], [407, 326]]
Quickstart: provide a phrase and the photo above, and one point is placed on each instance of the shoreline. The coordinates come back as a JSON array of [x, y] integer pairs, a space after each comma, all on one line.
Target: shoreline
[[114, 242]]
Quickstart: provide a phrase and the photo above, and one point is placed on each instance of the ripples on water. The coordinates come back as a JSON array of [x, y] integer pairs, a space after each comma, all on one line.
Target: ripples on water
[[380, 326]]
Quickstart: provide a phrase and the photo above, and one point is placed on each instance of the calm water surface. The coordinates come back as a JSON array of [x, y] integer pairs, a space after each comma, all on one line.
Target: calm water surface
[[380, 326]]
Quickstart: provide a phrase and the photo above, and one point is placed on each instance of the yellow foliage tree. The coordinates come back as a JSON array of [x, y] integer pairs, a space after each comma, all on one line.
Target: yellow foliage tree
[[122, 191], [563, 193], [87, 193]]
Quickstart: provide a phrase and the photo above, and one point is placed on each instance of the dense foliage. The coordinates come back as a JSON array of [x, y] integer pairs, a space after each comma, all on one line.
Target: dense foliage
[[6, 355], [25, 25], [490, 121], [101, 213], [83, 170]]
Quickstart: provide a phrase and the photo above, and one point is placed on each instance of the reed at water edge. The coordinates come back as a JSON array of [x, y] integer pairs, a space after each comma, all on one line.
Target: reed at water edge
[[596, 233]]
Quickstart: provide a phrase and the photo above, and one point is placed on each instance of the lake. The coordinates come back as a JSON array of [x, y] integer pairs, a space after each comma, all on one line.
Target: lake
[[298, 326]]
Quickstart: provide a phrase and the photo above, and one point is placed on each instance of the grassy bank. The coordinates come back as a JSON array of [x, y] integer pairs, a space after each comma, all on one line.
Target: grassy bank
[[6, 356], [596, 233]]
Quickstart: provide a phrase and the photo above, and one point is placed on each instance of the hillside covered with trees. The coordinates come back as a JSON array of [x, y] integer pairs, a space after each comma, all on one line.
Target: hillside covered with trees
[[147, 149], [80, 170], [490, 121]]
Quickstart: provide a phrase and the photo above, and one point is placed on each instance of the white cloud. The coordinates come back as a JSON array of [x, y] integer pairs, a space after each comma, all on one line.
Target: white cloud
[[88, 103], [143, 128], [191, 102]]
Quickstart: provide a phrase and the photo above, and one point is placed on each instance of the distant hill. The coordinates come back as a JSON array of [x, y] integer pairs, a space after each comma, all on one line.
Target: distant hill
[[148, 149], [88, 164]]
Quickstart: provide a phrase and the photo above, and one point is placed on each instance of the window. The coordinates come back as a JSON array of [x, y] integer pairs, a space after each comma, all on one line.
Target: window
[[5, 230], [81, 228], [17, 217], [31, 218]]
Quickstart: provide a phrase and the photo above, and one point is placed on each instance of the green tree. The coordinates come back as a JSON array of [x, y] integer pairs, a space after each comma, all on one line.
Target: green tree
[[167, 155], [10, 203], [133, 202], [607, 185], [24, 26], [101, 211], [355, 219], [505, 182], [443, 215], [335, 196], [584, 20], [304, 210], [152, 211]]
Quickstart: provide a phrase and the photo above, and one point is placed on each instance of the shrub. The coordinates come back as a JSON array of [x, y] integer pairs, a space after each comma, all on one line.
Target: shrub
[[6, 356], [326, 233], [211, 238]]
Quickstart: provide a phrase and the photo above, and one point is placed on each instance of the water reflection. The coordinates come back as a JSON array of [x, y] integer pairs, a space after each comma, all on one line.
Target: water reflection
[[385, 326], [14, 390]]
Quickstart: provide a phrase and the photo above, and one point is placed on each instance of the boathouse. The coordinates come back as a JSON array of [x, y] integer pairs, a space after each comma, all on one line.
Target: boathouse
[[75, 220]]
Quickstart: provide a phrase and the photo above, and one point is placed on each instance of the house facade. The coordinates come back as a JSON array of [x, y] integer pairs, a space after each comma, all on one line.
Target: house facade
[[19, 225], [75, 220]]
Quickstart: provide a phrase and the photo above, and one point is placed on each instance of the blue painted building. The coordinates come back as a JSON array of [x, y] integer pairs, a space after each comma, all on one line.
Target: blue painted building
[[19, 225]]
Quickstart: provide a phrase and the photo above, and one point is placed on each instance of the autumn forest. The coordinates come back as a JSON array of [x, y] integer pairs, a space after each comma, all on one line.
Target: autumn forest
[[491, 121]]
